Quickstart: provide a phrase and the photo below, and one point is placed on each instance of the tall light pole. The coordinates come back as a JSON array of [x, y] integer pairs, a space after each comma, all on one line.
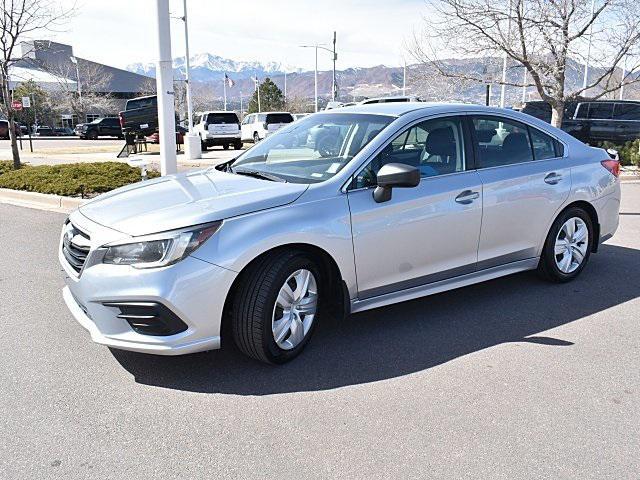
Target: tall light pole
[[404, 78], [503, 87], [334, 86], [624, 74], [316, 46], [164, 87], [586, 64], [74, 60], [187, 68]]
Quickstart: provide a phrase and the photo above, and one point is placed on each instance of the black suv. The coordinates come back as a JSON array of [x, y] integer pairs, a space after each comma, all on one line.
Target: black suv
[[102, 127], [616, 121]]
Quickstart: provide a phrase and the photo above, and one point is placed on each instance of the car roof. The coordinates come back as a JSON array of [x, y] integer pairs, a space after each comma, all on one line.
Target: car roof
[[219, 111], [400, 108]]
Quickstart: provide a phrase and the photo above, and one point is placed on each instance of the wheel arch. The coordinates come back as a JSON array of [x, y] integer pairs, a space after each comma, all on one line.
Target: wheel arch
[[338, 295], [593, 215]]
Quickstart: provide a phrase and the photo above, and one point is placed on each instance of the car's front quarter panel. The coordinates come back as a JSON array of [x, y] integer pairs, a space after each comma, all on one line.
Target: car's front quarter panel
[[314, 219]]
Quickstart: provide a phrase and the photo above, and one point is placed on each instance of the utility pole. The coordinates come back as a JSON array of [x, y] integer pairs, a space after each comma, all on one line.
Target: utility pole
[[224, 90], [404, 79], [624, 74], [164, 87], [241, 109], [334, 86], [585, 79], [187, 69], [504, 63], [524, 86], [285, 85]]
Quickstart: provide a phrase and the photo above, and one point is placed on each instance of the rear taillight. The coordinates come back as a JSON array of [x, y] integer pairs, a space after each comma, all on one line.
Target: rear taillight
[[613, 166], [121, 120]]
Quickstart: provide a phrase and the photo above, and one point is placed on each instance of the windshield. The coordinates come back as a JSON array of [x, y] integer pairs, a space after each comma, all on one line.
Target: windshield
[[222, 118], [314, 148]]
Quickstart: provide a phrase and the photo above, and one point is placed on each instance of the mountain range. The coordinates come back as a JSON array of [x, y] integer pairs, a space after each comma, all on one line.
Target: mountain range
[[208, 70]]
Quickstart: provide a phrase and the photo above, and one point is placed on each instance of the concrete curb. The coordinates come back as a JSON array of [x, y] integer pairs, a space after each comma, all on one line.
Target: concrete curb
[[40, 201]]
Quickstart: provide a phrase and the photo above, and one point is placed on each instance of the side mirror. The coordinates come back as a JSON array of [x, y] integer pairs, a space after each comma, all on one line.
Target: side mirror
[[613, 154], [395, 175]]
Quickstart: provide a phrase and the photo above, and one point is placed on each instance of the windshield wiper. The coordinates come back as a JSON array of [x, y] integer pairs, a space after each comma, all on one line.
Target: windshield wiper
[[257, 174]]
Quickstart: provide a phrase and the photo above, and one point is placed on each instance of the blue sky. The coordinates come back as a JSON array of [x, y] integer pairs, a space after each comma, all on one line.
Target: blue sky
[[373, 32]]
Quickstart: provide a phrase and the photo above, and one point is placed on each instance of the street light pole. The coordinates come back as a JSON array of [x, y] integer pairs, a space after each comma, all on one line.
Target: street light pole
[[187, 68], [164, 87], [316, 46], [334, 89]]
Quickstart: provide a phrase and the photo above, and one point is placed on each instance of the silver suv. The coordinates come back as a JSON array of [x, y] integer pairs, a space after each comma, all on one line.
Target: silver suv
[[397, 201]]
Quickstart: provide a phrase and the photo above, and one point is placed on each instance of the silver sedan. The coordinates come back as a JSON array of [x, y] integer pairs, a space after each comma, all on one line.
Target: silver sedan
[[342, 211]]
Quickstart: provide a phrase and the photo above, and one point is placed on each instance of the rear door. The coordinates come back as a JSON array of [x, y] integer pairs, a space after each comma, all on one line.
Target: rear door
[[275, 121], [603, 127], [525, 180], [224, 123]]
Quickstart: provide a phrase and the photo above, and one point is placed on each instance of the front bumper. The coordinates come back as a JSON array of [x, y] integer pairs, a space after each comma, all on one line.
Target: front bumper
[[194, 290]]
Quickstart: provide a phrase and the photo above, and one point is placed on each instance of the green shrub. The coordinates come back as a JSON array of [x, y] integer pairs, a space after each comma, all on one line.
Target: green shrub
[[629, 152], [73, 179], [6, 165]]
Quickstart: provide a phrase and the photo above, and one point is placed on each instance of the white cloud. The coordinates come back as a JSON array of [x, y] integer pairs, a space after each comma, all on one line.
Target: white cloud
[[119, 32]]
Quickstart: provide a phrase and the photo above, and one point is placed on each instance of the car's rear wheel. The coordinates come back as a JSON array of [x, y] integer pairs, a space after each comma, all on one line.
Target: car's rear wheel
[[275, 308], [568, 246], [225, 146], [237, 145]]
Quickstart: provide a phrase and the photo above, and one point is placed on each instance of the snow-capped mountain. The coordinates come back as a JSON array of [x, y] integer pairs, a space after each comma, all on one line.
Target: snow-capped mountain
[[206, 67]]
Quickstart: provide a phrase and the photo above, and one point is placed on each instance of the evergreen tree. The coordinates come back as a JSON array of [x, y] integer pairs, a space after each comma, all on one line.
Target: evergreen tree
[[271, 98], [40, 109]]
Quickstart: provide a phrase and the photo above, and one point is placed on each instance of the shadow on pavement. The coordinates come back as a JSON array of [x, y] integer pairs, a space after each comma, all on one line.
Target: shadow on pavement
[[409, 337]]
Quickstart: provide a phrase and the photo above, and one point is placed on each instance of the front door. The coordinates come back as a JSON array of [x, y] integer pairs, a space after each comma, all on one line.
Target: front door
[[525, 179], [423, 234]]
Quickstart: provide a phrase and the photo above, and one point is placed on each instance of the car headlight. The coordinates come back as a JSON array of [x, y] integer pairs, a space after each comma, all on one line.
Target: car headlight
[[159, 250]]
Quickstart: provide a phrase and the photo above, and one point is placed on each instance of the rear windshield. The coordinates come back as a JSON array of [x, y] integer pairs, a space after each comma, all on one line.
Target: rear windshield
[[279, 118], [223, 118], [141, 103]]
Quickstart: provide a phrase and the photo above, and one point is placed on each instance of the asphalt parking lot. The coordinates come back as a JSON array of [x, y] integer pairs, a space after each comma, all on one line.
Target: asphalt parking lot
[[510, 379]]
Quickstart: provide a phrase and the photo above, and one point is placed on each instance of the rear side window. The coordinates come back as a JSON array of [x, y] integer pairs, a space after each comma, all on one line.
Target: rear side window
[[141, 103], [627, 111], [601, 111], [279, 118], [222, 118], [544, 147], [500, 141], [111, 122]]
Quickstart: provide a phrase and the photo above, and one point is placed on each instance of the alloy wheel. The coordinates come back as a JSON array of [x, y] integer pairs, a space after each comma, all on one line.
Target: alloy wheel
[[295, 309], [572, 242]]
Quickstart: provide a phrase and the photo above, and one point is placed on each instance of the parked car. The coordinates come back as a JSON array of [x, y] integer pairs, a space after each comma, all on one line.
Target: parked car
[[418, 199], [397, 99], [140, 116], [101, 127], [77, 130], [4, 129], [44, 131], [258, 126], [180, 133], [218, 128], [298, 116], [596, 121], [64, 131]]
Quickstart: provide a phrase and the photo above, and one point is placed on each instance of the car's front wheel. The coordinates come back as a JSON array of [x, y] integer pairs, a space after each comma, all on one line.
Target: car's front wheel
[[568, 246], [275, 309]]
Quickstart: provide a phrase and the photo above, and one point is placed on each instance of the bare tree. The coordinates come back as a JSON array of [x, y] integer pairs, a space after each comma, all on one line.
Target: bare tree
[[20, 20], [90, 96], [546, 37]]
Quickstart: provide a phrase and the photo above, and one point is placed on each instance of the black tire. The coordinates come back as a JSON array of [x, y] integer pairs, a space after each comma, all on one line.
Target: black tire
[[254, 302], [237, 145], [203, 145], [225, 146], [256, 137], [547, 267], [92, 135]]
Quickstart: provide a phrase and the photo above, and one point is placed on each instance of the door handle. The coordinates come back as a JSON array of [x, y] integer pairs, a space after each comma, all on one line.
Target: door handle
[[553, 178], [467, 197]]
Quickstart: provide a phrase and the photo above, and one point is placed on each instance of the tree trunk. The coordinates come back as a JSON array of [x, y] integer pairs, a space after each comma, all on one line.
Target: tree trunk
[[6, 99], [557, 114]]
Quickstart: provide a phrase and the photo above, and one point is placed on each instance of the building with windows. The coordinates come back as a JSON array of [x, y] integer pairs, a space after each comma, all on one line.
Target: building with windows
[[54, 68]]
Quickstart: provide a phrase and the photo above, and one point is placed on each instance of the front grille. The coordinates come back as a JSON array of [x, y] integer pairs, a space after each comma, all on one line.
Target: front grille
[[75, 247]]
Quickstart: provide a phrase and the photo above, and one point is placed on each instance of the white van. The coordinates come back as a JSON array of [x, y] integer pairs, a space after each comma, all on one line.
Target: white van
[[258, 126], [218, 128]]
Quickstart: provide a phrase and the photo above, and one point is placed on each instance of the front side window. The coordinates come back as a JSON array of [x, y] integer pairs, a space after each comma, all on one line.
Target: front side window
[[435, 147], [314, 148], [501, 141], [627, 111]]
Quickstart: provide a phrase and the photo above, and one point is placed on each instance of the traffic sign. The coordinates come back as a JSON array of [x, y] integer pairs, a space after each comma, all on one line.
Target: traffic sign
[[16, 105], [26, 102]]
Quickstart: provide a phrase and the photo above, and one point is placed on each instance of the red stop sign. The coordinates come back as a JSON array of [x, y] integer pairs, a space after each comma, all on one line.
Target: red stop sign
[[16, 105]]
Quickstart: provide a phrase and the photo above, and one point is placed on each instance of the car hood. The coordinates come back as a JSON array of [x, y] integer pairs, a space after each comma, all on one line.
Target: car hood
[[182, 200]]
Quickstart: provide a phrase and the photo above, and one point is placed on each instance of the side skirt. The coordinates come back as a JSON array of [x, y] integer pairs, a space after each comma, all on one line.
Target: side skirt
[[444, 285]]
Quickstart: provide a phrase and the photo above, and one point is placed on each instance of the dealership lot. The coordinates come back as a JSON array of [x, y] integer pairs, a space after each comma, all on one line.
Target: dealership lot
[[514, 378]]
